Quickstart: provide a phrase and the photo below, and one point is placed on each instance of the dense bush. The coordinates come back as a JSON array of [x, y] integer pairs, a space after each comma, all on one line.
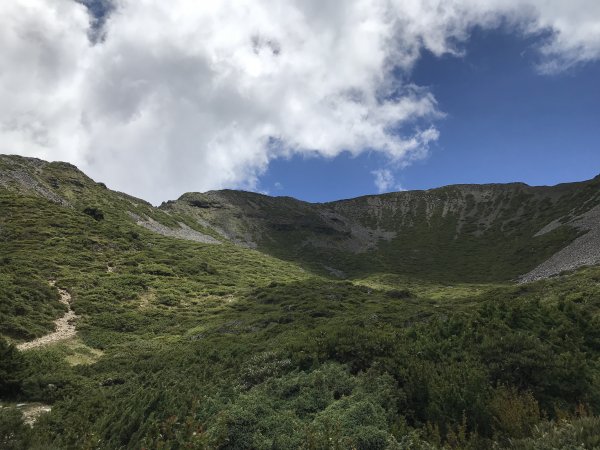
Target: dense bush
[[12, 370], [94, 213], [14, 434]]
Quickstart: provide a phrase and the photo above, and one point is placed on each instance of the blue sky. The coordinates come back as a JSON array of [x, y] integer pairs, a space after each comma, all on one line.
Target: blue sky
[[316, 99], [505, 122]]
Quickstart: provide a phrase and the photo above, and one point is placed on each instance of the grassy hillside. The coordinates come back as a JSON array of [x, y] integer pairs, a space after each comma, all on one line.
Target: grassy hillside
[[184, 344], [459, 233]]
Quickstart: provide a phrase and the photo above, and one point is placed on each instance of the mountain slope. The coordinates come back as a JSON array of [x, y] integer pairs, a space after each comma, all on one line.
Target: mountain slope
[[456, 233], [463, 232], [65, 185], [181, 343]]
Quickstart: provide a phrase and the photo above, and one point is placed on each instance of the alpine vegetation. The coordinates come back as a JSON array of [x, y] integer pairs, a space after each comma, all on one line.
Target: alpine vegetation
[[403, 320]]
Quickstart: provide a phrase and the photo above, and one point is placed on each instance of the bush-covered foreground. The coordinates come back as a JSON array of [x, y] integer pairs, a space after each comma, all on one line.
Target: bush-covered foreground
[[320, 364], [187, 345]]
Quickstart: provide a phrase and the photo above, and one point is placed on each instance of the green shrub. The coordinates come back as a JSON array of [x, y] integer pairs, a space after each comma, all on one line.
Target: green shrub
[[94, 213], [399, 293], [14, 434], [12, 369], [576, 434], [515, 413]]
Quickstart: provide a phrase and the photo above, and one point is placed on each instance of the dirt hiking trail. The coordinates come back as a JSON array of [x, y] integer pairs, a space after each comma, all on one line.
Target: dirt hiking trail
[[65, 325]]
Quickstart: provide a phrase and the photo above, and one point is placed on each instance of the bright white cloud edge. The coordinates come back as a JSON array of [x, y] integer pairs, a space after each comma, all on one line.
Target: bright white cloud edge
[[188, 95]]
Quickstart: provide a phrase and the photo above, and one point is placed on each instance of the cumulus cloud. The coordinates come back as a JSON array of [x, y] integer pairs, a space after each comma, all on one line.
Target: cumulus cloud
[[384, 180], [187, 95]]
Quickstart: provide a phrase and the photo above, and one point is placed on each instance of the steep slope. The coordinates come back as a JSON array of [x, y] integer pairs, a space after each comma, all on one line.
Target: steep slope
[[58, 224], [585, 250], [65, 185], [463, 232]]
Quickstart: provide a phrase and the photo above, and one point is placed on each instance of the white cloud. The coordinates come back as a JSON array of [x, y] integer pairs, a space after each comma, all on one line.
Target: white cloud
[[188, 95], [384, 180]]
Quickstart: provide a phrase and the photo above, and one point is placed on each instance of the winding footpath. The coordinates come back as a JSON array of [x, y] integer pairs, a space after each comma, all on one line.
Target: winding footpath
[[65, 326]]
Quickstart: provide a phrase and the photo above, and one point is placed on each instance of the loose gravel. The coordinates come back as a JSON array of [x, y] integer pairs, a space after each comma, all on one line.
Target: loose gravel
[[583, 251], [183, 232]]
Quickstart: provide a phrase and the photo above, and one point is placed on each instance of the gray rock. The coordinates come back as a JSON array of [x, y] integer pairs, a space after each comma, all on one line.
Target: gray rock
[[583, 251]]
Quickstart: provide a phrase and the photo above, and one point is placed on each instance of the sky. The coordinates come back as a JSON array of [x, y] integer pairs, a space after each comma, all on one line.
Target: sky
[[303, 98]]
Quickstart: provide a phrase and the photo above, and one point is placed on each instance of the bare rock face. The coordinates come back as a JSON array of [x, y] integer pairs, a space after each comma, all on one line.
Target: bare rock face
[[20, 174], [583, 251], [183, 232]]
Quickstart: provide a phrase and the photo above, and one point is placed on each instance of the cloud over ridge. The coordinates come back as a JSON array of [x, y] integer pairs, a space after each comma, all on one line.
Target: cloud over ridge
[[186, 95]]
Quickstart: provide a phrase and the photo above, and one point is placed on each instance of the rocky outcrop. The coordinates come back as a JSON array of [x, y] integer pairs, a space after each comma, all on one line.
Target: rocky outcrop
[[583, 251], [183, 232], [18, 173]]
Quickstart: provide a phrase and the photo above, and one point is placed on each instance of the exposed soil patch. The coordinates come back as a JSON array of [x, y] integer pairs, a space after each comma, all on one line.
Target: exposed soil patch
[[33, 411], [147, 299]]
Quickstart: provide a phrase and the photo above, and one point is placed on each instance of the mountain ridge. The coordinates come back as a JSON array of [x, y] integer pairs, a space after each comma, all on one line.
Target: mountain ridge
[[361, 224], [41, 162], [468, 232]]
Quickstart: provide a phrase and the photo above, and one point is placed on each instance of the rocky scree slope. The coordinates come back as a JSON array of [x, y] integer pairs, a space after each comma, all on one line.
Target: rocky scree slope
[[585, 250]]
